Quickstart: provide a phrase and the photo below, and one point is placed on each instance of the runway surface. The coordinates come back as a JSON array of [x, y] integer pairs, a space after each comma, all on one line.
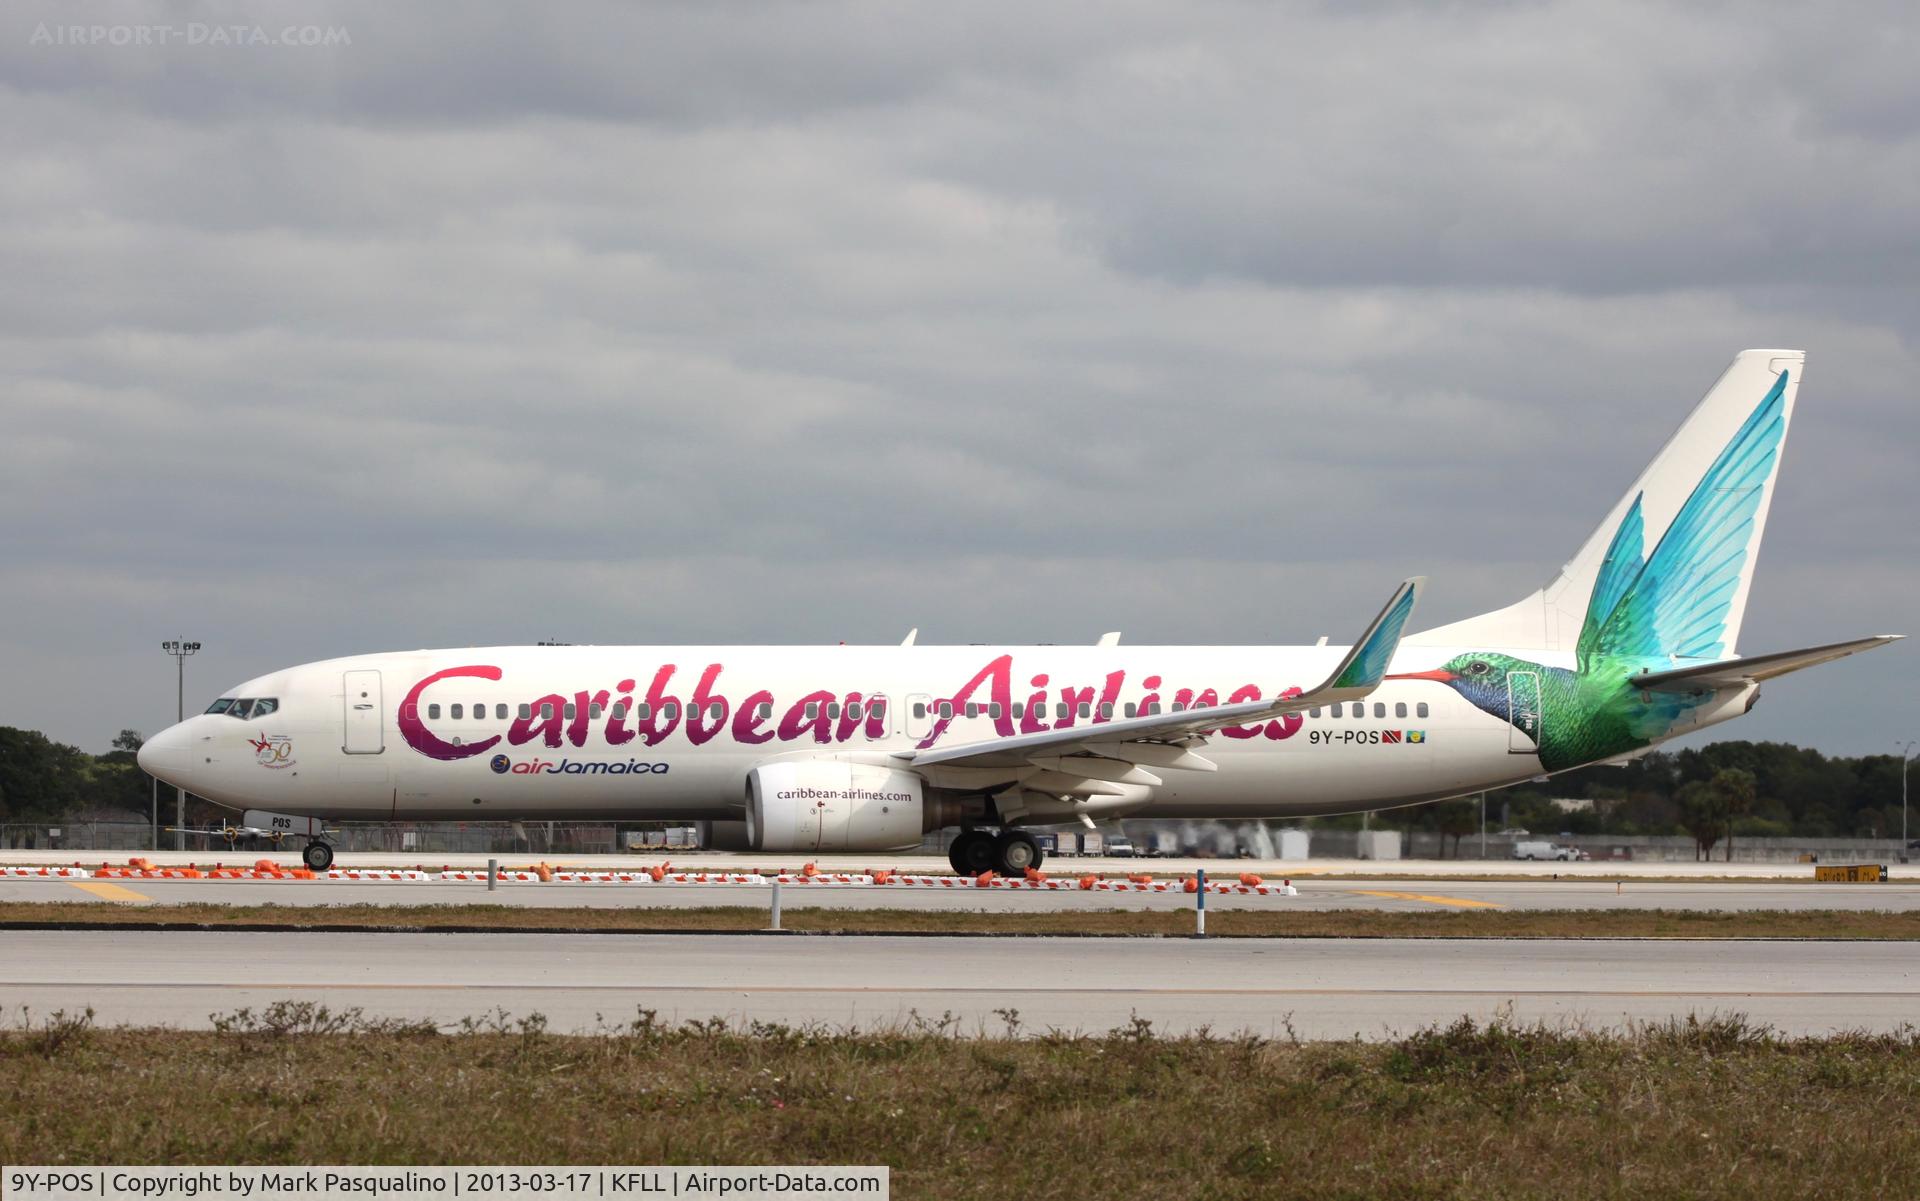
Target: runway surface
[[1317, 988], [1315, 895]]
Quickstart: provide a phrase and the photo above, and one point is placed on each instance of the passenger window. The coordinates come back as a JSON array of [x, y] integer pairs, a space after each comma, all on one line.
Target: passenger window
[[1179, 707], [973, 710], [594, 712], [433, 710], [526, 712], [456, 711], [669, 711], [568, 710], [643, 711], [479, 713], [877, 709], [1420, 709], [1086, 709], [1153, 710], [1337, 710], [1399, 708], [919, 708], [1130, 708], [833, 710], [853, 711], [1019, 709], [993, 710], [766, 710], [813, 710], [500, 713], [716, 711], [1313, 713], [1379, 708], [1106, 710], [946, 709], [546, 711], [1060, 710]]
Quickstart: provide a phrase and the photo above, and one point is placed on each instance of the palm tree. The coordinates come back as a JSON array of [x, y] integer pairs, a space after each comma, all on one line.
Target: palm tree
[[1735, 788]]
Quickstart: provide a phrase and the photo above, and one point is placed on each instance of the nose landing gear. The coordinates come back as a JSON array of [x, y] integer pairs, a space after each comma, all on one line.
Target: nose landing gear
[[318, 855], [1010, 853]]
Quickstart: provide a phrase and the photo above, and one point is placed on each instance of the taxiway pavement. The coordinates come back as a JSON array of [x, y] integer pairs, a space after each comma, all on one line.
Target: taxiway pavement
[[1387, 894]]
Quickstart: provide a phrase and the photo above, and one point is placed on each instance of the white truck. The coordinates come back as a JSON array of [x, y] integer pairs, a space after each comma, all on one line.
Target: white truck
[[1546, 850]]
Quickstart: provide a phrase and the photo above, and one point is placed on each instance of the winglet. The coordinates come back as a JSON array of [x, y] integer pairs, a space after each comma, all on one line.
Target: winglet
[[1366, 664]]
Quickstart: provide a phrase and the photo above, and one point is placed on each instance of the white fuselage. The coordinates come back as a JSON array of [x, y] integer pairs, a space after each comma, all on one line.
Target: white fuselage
[[645, 733]]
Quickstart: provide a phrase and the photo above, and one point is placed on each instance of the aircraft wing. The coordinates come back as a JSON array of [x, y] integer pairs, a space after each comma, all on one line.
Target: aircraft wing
[[1730, 673], [1163, 739]]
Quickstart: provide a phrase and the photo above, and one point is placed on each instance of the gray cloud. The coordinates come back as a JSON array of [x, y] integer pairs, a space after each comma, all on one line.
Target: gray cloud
[[662, 323]]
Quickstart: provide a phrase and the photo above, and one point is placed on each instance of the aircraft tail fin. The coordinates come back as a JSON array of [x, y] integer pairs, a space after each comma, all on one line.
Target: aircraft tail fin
[[1666, 574]]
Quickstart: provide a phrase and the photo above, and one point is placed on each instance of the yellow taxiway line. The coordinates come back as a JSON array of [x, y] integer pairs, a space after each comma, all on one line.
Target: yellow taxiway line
[[1453, 902], [109, 892]]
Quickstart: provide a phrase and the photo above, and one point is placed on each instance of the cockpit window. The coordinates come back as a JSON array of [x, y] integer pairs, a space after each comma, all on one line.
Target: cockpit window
[[264, 706], [221, 706], [245, 707]]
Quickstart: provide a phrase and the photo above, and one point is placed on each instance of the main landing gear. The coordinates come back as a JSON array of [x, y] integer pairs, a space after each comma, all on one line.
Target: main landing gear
[[318, 856], [1010, 853]]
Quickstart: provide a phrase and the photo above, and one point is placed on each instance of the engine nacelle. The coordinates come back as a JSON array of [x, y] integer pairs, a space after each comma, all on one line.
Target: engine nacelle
[[827, 805]]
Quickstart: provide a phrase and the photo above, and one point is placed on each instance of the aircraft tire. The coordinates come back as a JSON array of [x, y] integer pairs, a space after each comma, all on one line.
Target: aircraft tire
[[1014, 852], [318, 856], [972, 852]]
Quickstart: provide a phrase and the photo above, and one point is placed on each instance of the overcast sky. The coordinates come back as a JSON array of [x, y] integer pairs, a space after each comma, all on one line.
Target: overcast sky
[[809, 322]]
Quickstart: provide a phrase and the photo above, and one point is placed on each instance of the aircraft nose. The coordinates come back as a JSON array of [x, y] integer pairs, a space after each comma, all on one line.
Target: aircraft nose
[[165, 754]]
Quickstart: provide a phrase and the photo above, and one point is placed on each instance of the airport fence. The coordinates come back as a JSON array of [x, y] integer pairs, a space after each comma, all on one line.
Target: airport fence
[[601, 838], [427, 838]]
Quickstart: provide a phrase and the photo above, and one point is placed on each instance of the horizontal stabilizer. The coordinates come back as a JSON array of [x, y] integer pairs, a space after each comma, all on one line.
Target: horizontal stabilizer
[[1731, 673]]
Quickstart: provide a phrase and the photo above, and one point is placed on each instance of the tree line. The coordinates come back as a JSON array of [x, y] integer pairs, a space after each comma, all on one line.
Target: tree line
[[1717, 793]]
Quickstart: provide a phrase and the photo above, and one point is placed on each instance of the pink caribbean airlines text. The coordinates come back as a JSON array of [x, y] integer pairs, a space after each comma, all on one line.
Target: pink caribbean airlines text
[[707, 713]]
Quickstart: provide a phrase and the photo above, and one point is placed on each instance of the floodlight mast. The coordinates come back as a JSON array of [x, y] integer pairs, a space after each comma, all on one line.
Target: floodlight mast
[[179, 648]]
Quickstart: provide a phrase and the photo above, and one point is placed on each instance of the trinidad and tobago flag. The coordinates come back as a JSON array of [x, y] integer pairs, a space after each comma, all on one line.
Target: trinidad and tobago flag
[[1389, 735]]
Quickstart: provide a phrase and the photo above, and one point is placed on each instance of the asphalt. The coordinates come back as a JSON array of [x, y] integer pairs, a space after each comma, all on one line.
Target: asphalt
[[1385, 894], [1314, 989]]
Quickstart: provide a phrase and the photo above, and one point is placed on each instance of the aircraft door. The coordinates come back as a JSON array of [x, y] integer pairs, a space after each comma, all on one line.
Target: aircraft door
[[365, 724], [917, 716], [1524, 712]]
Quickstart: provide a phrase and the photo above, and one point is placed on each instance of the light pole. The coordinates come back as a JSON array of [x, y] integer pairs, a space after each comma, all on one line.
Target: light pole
[[180, 650], [1906, 757]]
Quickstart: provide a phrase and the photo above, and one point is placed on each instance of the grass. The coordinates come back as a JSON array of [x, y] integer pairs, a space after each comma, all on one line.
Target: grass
[[1706, 1109], [1225, 923]]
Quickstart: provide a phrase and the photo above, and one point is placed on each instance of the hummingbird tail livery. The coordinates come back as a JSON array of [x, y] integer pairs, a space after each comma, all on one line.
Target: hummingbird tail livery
[[812, 749], [1732, 442]]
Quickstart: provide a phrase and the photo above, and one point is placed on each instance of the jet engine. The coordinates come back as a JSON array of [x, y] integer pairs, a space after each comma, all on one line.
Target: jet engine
[[829, 805]]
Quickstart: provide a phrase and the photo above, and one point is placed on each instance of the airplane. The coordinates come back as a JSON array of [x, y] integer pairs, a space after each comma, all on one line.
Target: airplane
[[869, 748]]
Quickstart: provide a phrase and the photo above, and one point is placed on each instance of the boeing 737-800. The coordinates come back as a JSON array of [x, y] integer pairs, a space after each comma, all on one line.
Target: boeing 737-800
[[840, 748]]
